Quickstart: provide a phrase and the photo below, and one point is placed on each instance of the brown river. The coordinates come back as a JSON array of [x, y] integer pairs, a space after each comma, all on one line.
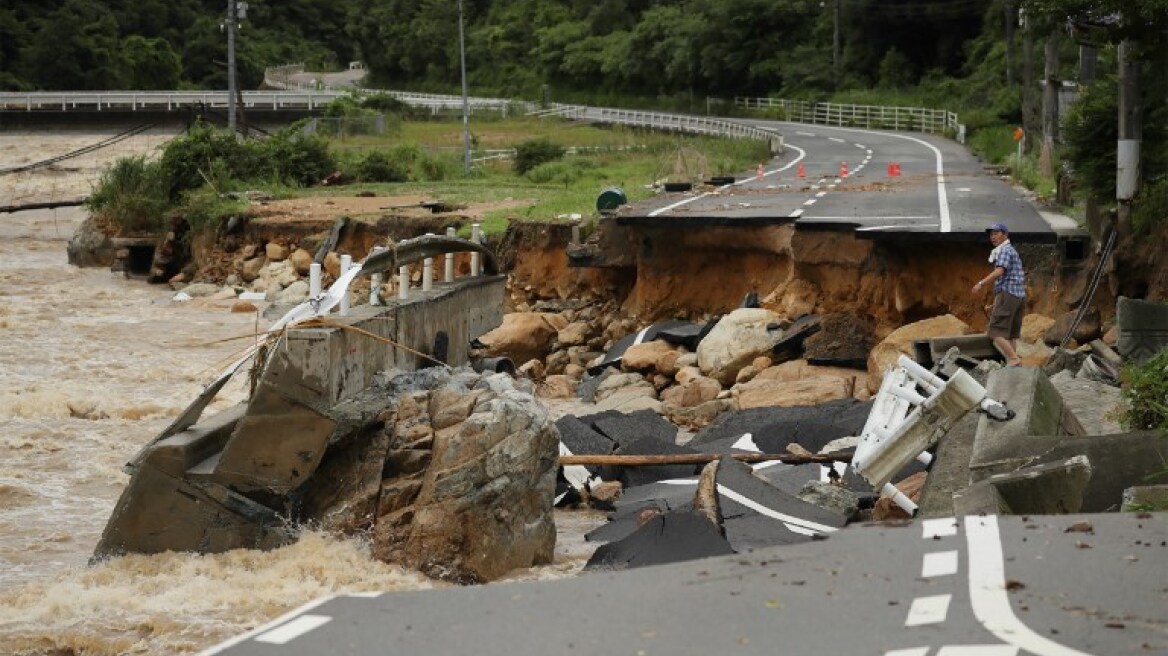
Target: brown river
[[92, 366]]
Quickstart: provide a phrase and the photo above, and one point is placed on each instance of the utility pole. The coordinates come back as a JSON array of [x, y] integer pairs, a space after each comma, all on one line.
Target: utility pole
[[835, 43], [232, 18], [1127, 174], [465, 101], [1050, 104]]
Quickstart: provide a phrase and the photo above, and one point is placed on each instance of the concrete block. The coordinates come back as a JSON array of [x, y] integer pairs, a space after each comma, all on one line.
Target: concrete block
[[950, 470], [1001, 446], [1145, 498], [214, 519], [1142, 328], [1053, 488], [981, 498], [979, 347], [1118, 462], [178, 453]]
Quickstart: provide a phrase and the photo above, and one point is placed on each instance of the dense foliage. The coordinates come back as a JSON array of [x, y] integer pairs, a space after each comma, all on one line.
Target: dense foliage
[[1145, 387]]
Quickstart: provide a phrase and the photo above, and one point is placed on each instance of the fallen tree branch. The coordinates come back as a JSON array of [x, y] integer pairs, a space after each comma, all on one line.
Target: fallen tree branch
[[701, 458]]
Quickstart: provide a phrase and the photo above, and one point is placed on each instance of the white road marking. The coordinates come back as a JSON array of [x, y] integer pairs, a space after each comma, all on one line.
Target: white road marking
[[838, 180], [284, 634], [871, 218], [860, 146], [824, 180], [890, 227], [686, 201], [805, 134], [835, 139], [914, 651], [978, 650], [796, 213], [987, 592], [263, 628], [869, 151], [746, 443], [939, 563], [796, 524], [928, 610], [964, 189], [809, 201], [821, 194], [942, 197], [943, 527], [365, 595], [833, 185]]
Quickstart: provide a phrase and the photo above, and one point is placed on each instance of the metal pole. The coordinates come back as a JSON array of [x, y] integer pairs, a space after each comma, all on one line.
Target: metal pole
[[232, 15], [465, 101]]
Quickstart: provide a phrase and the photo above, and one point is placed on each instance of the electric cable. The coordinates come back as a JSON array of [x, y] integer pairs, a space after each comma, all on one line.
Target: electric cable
[[1096, 276], [80, 151]]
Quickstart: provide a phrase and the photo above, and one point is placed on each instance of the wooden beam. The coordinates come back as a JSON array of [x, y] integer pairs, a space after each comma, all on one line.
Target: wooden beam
[[701, 458]]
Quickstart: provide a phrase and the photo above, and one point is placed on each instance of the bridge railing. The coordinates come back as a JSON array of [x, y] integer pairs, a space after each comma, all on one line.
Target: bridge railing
[[169, 100], [685, 123], [881, 117]]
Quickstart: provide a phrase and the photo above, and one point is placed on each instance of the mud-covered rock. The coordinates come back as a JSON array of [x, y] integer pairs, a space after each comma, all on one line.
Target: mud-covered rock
[[90, 246], [735, 342], [524, 335]]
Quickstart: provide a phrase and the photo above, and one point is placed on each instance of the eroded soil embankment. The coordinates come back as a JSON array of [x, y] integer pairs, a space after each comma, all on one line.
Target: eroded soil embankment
[[665, 273]]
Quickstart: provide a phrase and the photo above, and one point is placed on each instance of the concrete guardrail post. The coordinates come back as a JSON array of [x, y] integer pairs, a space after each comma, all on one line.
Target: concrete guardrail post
[[314, 280], [449, 277], [403, 282], [346, 262], [476, 236]]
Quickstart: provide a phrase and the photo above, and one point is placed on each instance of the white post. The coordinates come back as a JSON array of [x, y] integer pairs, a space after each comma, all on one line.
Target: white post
[[375, 282], [475, 256], [450, 259], [575, 234], [403, 282], [314, 280], [346, 262], [428, 274]]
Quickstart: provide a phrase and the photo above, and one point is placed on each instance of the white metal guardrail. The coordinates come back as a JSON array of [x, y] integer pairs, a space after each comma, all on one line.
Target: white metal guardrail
[[911, 119], [168, 100]]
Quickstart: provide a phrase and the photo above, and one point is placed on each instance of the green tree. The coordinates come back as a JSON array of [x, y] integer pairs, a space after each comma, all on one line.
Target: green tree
[[75, 47], [150, 64]]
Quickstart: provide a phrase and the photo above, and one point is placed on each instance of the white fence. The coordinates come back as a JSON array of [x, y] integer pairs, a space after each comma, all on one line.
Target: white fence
[[159, 100], [911, 119]]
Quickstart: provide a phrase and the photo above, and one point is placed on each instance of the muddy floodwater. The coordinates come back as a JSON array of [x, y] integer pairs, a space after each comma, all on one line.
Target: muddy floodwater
[[92, 366]]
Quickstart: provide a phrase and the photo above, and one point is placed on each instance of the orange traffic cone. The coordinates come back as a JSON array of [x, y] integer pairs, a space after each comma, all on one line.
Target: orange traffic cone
[[843, 169], [800, 169], [760, 170], [891, 170], [896, 168]]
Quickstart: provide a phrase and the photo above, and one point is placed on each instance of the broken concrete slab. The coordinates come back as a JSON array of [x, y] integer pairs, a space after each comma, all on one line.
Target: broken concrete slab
[[1142, 327], [833, 497], [737, 482], [844, 340], [999, 446], [642, 475], [978, 347], [1118, 462], [1145, 498], [179, 452], [688, 335], [1053, 488], [1096, 405], [626, 428], [950, 469], [669, 538], [846, 416], [756, 531], [790, 346], [581, 438]]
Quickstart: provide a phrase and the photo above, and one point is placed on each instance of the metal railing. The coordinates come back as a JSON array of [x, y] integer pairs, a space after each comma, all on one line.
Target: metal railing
[[169, 100], [880, 117], [684, 123]]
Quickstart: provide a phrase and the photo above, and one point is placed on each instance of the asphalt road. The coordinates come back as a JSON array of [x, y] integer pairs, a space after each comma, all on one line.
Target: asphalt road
[[974, 586], [842, 178]]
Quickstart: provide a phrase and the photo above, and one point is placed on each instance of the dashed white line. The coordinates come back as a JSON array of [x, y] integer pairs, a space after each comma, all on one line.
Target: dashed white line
[[943, 527], [861, 146], [928, 610], [987, 592], [890, 227], [809, 201], [686, 201], [821, 194], [796, 213], [805, 134], [286, 633], [939, 563], [869, 151], [913, 651], [835, 139]]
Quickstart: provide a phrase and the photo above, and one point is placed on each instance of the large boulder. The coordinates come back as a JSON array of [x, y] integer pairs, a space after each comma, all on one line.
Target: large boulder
[[644, 356], [900, 341], [524, 336], [90, 246], [470, 480], [1034, 326], [735, 342], [760, 393]]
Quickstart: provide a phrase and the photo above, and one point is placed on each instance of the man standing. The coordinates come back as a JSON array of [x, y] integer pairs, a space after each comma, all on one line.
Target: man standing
[[1009, 294]]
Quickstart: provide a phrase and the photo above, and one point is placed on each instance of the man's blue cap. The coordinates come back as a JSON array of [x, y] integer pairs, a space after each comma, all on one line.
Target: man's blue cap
[[998, 227]]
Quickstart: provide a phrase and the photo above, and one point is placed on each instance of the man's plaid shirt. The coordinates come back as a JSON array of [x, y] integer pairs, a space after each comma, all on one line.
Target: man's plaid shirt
[[1012, 282]]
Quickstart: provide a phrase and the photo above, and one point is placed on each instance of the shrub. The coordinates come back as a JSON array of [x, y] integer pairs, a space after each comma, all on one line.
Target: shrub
[[187, 161], [289, 157], [1145, 387], [564, 172], [130, 193], [1151, 206], [378, 166], [533, 152]]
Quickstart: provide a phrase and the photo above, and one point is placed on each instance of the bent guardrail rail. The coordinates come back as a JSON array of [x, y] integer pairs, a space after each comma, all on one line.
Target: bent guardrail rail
[[884, 117], [904, 423]]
